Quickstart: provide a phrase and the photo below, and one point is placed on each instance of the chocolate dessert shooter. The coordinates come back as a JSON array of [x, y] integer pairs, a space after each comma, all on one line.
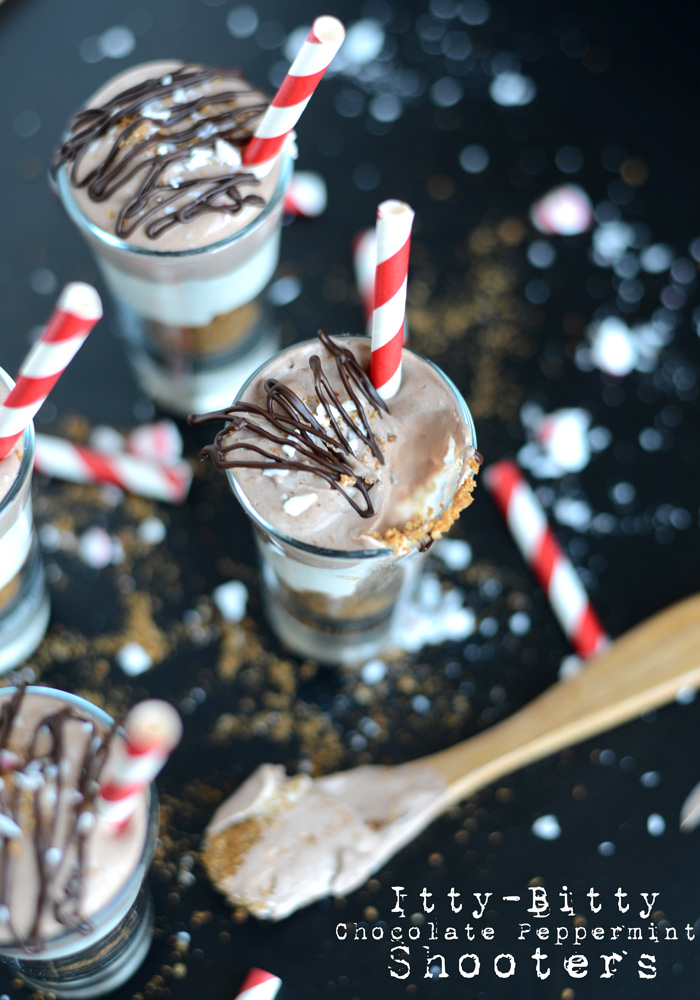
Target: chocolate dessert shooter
[[24, 599], [185, 236], [346, 492], [75, 918]]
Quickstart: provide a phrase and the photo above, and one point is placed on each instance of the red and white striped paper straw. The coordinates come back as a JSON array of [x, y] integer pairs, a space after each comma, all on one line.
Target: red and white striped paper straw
[[152, 730], [76, 312], [394, 222], [314, 58], [259, 985], [160, 441], [534, 537], [76, 463]]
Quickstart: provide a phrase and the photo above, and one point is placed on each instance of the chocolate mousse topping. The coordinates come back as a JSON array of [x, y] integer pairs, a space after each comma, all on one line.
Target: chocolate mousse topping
[[157, 125], [32, 788], [290, 422]]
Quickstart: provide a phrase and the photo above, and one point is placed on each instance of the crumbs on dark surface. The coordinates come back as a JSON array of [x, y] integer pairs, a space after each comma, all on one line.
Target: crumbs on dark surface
[[244, 700]]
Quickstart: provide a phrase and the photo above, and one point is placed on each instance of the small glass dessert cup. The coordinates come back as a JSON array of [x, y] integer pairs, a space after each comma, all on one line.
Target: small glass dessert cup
[[343, 606], [24, 600], [194, 322], [112, 943]]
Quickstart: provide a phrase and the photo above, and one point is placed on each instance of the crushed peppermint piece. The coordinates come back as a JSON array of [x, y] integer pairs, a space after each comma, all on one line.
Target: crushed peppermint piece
[[8, 760], [156, 110], [232, 600], [133, 659], [569, 667], [298, 504], [559, 442], [8, 828], [455, 553], [373, 671], [53, 856], [86, 822], [656, 825], [613, 348], [546, 827], [227, 153], [151, 531], [95, 548], [564, 211]]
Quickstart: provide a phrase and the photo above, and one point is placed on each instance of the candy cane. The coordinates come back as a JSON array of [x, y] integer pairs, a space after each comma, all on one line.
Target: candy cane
[[76, 312], [314, 58], [152, 730], [533, 536], [259, 985], [76, 463], [394, 222]]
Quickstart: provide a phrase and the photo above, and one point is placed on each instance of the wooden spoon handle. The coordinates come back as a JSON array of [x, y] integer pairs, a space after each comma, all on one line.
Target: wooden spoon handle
[[642, 670]]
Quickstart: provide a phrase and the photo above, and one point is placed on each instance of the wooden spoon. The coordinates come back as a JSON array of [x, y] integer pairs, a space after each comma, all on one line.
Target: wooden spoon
[[642, 670], [279, 843]]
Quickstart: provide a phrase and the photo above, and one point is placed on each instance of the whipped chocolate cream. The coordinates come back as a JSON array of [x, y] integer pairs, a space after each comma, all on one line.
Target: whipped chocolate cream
[[279, 843], [59, 862], [155, 156], [322, 459]]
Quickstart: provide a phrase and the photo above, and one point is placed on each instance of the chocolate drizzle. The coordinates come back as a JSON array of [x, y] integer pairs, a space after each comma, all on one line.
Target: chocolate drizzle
[[37, 783], [288, 421], [145, 143]]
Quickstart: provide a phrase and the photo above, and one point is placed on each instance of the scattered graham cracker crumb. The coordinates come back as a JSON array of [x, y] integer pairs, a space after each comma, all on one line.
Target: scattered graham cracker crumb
[[223, 854], [418, 530]]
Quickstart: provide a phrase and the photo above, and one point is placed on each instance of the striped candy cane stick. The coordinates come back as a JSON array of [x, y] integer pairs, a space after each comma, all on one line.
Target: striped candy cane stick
[[394, 222], [77, 311], [76, 463], [152, 730], [533, 536], [259, 985], [324, 40]]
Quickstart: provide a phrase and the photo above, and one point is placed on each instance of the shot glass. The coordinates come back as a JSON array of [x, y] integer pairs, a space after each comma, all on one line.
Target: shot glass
[[193, 322], [24, 600], [115, 941], [337, 606]]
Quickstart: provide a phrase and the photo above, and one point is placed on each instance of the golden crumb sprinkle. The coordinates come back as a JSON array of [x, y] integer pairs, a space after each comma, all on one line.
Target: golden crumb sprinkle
[[224, 853], [418, 530]]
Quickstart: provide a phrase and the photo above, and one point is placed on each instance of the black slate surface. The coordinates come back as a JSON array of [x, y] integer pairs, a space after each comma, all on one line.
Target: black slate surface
[[616, 82]]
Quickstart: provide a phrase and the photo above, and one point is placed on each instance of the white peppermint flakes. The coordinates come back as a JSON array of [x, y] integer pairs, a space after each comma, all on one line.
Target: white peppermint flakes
[[231, 599], [295, 506], [133, 659]]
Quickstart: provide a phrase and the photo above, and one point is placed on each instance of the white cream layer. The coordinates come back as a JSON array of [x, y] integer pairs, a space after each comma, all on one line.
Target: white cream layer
[[15, 545], [195, 303]]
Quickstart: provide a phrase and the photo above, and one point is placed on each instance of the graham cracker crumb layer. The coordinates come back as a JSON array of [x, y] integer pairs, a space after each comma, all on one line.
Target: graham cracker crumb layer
[[418, 530], [224, 853]]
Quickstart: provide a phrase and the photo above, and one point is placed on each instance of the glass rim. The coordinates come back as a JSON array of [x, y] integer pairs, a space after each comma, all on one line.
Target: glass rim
[[26, 465], [351, 555], [64, 188], [15, 950]]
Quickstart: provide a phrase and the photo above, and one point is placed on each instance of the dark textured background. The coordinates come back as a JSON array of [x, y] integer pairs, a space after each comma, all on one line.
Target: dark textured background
[[621, 75]]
